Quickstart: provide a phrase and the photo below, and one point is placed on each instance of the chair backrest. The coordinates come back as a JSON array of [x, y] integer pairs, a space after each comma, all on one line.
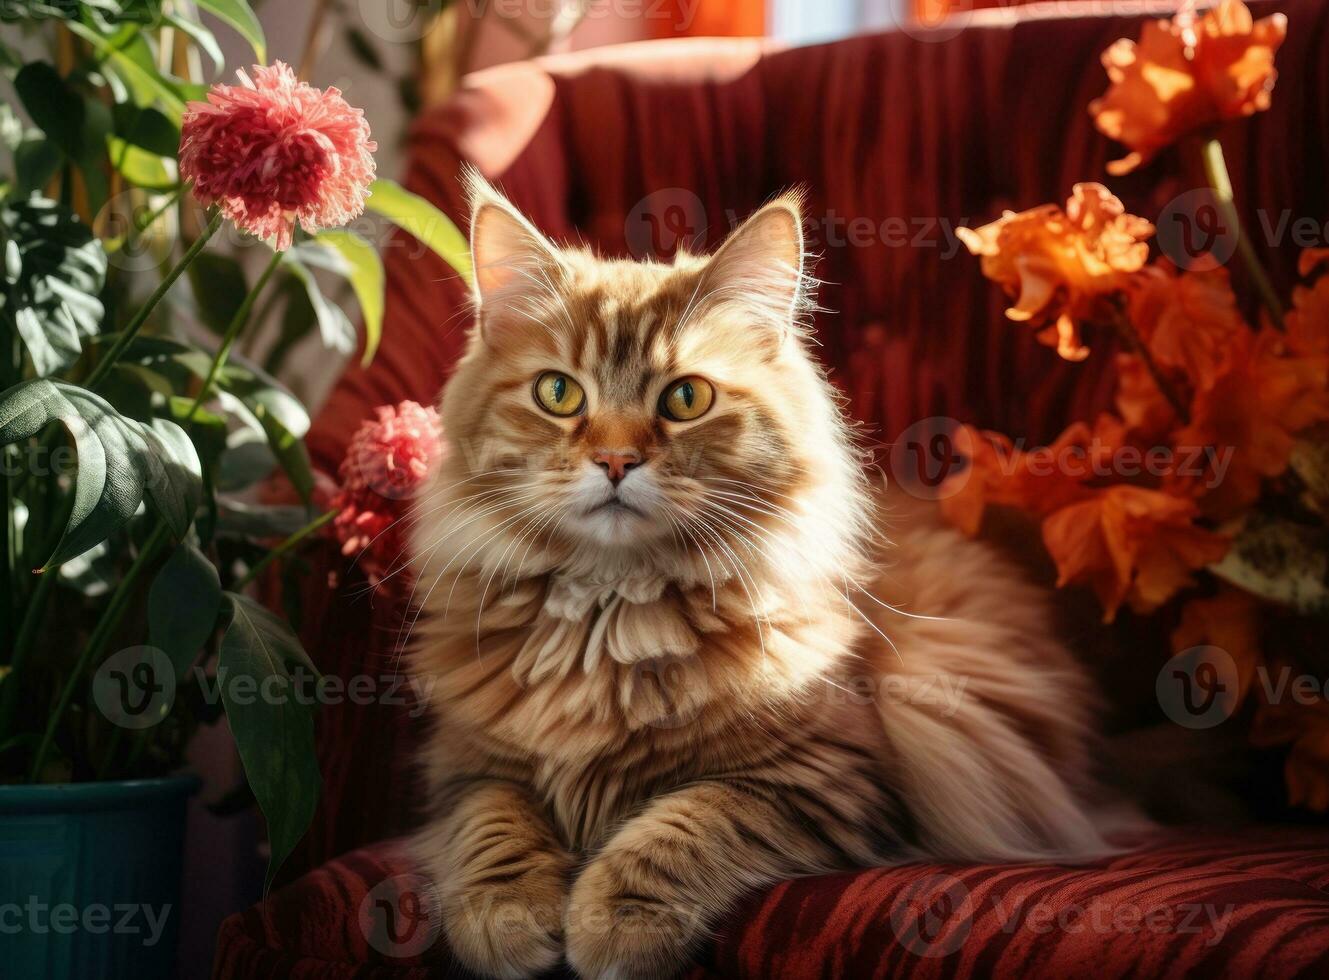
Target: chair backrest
[[898, 140]]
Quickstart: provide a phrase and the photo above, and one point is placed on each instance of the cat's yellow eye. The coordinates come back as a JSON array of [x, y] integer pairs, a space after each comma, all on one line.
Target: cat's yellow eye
[[687, 399], [558, 394]]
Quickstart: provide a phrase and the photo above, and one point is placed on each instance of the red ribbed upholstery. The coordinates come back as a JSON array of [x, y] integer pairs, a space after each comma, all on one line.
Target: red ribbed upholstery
[[1192, 905], [878, 127]]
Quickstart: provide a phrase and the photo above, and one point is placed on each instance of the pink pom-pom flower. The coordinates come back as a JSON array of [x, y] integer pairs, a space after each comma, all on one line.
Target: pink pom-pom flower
[[390, 457], [273, 151]]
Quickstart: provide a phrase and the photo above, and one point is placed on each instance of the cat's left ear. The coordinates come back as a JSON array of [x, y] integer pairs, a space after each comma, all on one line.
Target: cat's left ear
[[760, 267], [509, 255]]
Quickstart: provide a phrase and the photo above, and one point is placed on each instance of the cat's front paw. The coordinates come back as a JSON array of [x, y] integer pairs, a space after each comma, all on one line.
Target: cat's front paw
[[508, 930], [615, 930]]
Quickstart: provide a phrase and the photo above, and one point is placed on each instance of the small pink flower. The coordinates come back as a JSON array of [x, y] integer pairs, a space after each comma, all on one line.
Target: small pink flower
[[389, 459], [395, 452], [273, 151]]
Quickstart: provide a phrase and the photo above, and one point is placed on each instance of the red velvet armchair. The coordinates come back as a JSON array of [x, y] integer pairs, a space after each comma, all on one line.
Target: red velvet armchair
[[899, 140]]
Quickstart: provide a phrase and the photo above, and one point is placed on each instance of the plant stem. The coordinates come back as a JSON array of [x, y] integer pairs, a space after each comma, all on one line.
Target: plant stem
[[232, 332], [8, 557], [1134, 343], [27, 633], [112, 745], [137, 228], [1215, 168], [135, 324], [119, 602], [284, 547], [313, 39], [101, 635]]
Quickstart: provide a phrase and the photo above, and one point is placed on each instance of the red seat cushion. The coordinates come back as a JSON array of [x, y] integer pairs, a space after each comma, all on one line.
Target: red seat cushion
[[1195, 904]]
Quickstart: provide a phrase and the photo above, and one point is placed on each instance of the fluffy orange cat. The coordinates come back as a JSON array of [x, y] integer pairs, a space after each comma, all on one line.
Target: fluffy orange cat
[[681, 647]]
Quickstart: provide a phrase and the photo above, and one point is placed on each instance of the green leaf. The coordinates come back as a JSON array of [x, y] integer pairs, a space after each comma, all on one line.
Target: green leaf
[[77, 125], [248, 393], [265, 394], [103, 12], [363, 49], [36, 161], [219, 286], [239, 15], [1281, 561], [131, 57], [139, 167], [96, 127], [365, 274], [298, 319], [336, 329], [120, 461], [177, 487], [291, 453], [183, 604], [54, 272], [254, 390], [55, 108], [244, 464], [241, 519], [275, 734], [146, 128], [417, 217], [286, 446], [201, 36]]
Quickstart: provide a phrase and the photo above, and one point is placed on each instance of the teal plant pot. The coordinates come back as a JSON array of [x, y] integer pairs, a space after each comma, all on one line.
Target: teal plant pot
[[90, 878]]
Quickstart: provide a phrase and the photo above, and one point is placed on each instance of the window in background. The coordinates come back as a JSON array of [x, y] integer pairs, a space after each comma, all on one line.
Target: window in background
[[811, 21]]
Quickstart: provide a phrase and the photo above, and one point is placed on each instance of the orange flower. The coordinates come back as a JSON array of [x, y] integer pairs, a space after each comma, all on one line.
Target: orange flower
[[1130, 544], [1229, 621], [1143, 407], [1059, 264], [1308, 321], [1184, 75], [1255, 411], [1038, 480], [1189, 320]]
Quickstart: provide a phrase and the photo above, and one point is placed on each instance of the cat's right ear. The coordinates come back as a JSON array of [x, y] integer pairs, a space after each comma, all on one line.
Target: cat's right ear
[[510, 258]]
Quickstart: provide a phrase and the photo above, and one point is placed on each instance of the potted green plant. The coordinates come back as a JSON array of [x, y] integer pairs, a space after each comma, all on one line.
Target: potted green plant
[[133, 436]]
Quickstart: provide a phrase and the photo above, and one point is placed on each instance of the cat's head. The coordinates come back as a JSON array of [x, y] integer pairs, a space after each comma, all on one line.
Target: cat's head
[[640, 408]]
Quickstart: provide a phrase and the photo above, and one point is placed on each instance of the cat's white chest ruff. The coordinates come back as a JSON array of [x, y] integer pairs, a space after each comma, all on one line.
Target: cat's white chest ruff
[[584, 623]]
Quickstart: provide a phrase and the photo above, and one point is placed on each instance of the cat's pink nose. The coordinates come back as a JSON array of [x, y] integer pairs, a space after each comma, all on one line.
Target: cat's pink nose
[[616, 462]]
